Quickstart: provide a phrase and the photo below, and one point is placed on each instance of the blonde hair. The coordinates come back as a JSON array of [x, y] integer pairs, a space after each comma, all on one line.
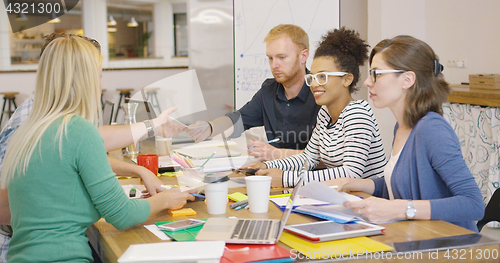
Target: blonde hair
[[67, 85], [298, 36]]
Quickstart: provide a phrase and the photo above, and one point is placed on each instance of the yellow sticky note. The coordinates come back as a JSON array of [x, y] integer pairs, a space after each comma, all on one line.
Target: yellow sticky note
[[182, 212], [237, 197]]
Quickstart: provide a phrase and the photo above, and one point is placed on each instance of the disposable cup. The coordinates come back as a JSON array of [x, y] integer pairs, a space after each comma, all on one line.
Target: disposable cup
[[216, 193], [163, 146], [258, 190]]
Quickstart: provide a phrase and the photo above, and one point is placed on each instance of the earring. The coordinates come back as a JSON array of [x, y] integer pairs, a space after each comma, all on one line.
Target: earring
[[403, 87]]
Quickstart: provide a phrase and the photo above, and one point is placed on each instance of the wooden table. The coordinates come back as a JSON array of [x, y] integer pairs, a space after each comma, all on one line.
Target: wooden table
[[111, 243]]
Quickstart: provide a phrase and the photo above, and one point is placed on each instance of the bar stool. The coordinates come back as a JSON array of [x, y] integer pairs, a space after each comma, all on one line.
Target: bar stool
[[9, 97], [151, 96], [102, 100], [124, 94]]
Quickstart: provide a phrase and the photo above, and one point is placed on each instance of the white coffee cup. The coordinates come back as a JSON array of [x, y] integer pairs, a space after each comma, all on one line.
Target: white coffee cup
[[258, 190], [216, 193], [163, 146]]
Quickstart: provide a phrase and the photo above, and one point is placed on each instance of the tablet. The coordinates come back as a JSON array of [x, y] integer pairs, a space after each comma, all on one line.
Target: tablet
[[329, 230]]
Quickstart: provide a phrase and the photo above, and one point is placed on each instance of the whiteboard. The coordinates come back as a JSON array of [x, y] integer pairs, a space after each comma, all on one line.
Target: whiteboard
[[252, 21]]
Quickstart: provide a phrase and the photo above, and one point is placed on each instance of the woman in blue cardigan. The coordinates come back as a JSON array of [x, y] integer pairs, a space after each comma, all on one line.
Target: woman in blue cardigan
[[426, 176]]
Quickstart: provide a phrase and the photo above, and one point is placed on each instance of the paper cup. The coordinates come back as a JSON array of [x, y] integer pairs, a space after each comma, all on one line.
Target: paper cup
[[163, 146], [216, 193], [258, 190]]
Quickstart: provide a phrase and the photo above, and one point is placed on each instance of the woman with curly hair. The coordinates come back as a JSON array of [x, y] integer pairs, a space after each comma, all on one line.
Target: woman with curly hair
[[346, 137]]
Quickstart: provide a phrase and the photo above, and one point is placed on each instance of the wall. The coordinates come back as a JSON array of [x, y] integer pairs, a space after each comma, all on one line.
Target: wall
[[354, 15], [455, 29]]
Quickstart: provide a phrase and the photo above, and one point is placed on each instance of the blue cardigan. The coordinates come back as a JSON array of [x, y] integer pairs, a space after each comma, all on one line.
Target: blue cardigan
[[431, 167]]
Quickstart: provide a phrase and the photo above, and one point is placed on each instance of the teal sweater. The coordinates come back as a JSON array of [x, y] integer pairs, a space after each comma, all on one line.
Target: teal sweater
[[54, 203]]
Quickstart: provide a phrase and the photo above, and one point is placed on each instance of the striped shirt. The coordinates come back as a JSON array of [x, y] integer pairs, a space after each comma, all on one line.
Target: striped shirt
[[351, 147]]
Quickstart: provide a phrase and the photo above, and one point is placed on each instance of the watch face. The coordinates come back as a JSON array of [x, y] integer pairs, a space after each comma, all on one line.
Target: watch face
[[410, 213]]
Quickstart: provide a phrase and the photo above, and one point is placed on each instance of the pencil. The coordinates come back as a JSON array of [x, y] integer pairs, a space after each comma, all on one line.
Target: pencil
[[271, 141]]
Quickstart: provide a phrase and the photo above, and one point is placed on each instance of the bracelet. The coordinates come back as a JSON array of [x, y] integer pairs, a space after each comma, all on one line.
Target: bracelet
[[149, 128]]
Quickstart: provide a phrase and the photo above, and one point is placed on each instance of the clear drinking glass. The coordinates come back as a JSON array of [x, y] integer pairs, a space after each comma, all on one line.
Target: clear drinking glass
[[130, 110]]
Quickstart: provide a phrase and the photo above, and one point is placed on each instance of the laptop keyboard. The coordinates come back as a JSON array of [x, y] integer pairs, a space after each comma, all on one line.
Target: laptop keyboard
[[252, 229]]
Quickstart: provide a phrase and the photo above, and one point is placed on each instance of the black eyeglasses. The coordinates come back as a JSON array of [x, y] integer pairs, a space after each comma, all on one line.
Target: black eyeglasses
[[322, 77], [377, 72]]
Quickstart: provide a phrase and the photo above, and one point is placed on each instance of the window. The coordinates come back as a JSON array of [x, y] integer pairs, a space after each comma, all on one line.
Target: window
[[26, 43], [180, 35], [130, 30]]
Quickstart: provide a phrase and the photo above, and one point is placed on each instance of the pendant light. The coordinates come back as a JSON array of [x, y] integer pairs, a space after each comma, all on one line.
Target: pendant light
[[112, 21], [54, 18], [132, 23]]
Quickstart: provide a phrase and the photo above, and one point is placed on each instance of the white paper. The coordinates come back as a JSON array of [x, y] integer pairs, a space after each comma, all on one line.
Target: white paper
[[322, 192], [138, 190], [157, 232], [205, 251]]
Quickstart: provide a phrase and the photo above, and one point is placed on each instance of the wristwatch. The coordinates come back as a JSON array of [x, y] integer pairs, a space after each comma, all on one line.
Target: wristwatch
[[410, 210], [149, 128]]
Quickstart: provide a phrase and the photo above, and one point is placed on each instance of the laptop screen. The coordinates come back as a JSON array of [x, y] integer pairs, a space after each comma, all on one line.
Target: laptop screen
[[289, 204]]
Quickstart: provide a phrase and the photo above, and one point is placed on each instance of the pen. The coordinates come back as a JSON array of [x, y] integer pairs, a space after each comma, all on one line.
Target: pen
[[166, 186], [241, 207], [334, 186], [271, 141], [198, 195], [240, 203], [280, 195]]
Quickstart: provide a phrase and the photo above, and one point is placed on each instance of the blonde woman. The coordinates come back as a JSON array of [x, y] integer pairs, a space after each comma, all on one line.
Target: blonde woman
[[58, 176]]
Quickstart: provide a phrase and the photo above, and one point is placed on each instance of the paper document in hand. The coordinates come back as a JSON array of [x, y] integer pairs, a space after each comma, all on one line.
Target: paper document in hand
[[322, 192]]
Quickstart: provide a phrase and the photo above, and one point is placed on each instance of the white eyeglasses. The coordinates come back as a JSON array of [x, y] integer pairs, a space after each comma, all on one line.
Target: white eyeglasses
[[377, 72], [322, 77]]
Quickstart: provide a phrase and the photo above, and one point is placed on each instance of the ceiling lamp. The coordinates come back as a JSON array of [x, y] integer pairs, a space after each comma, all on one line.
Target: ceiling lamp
[[21, 17], [132, 23], [112, 21], [112, 29], [54, 18]]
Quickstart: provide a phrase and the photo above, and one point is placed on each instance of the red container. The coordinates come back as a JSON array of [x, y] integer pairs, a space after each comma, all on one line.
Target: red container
[[150, 161]]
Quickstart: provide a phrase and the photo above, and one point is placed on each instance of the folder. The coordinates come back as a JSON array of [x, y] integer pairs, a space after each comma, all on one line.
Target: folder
[[335, 249], [254, 252], [188, 234]]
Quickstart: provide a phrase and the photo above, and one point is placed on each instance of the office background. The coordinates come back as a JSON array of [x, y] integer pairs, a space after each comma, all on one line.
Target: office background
[[457, 30]]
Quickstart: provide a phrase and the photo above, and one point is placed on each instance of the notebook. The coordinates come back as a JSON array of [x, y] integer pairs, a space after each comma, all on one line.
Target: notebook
[[249, 231]]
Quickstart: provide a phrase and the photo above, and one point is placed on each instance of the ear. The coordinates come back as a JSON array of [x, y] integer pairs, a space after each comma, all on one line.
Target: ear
[[303, 55], [348, 80], [409, 78]]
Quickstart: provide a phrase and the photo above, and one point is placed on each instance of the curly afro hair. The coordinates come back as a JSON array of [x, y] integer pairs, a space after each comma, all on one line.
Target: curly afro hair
[[347, 48]]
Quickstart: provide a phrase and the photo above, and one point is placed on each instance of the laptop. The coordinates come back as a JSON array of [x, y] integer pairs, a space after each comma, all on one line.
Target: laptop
[[107, 112], [249, 231]]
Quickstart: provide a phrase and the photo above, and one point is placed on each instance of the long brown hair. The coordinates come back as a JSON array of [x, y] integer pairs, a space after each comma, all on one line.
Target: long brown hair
[[430, 90]]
